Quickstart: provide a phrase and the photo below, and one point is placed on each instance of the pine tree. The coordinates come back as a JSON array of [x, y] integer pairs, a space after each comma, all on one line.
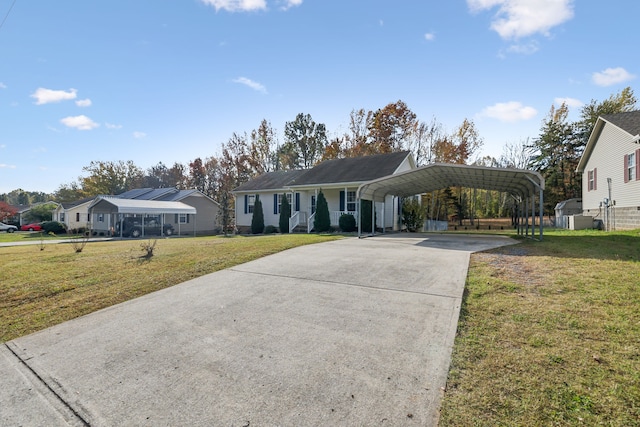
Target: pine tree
[[285, 213], [257, 220], [322, 222]]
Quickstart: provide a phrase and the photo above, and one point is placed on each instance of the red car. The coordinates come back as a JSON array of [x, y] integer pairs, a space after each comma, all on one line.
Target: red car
[[31, 227]]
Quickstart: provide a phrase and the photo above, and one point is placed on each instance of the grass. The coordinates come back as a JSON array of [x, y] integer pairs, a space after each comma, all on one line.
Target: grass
[[29, 236], [549, 334], [41, 288]]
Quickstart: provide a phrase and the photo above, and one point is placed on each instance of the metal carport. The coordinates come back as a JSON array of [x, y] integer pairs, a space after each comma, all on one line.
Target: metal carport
[[120, 207], [521, 184]]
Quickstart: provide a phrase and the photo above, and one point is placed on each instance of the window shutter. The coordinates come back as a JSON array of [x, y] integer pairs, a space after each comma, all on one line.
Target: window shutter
[[342, 200], [275, 204], [297, 202], [595, 179], [246, 203], [637, 164], [626, 167], [188, 215], [175, 218]]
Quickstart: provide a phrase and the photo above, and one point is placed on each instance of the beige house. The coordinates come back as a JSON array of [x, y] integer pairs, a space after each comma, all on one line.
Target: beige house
[[201, 219], [610, 168], [338, 179]]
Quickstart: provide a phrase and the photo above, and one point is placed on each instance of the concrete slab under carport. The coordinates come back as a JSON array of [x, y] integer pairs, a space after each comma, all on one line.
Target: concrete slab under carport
[[349, 332]]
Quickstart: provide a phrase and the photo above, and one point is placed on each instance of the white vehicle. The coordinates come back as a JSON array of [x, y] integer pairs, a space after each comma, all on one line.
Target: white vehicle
[[8, 228]]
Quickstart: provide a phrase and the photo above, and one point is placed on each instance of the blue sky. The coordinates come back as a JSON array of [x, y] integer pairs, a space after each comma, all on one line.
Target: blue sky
[[171, 80]]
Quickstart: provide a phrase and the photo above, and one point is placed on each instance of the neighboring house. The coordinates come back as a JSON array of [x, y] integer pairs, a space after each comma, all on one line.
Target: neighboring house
[[338, 179], [74, 215], [610, 168], [102, 220]]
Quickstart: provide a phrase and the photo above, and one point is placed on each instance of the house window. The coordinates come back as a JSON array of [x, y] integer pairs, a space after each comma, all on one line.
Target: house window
[[100, 217], [280, 201], [77, 216], [251, 201], [183, 218], [631, 167], [313, 205], [351, 201], [61, 216], [592, 180]]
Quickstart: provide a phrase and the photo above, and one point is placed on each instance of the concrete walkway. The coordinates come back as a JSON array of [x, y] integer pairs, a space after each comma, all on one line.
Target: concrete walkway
[[356, 332]]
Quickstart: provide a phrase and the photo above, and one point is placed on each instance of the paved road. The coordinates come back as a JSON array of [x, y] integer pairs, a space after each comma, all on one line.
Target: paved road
[[356, 332]]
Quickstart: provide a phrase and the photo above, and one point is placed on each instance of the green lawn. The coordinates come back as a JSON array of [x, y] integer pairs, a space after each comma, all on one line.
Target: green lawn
[[40, 288], [549, 334]]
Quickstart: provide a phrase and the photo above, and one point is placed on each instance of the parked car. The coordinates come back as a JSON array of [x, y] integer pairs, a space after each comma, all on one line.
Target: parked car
[[31, 227], [8, 228], [132, 227]]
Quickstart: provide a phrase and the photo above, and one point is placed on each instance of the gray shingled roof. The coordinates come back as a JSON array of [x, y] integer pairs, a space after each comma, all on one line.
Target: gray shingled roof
[[629, 122], [271, 180], [353, 169]]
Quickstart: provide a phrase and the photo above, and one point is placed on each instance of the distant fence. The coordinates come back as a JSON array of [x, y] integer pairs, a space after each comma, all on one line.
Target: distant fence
[[431, 225]]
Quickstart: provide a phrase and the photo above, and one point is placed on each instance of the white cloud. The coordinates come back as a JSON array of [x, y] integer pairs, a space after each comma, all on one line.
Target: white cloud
[[522, 18], [3, 86], [5, 166], [612, 76], [83, 102], [81, 122], [430, 36], [250, 83], [237, 5], [512, 111], [48, 96], [139, 135], [569, 102], [112, 126], [524, 49], [288, 4]]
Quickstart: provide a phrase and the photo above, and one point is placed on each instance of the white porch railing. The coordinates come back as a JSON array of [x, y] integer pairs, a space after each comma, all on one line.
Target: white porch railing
[[294, 221], [310, 222], [335, 216]]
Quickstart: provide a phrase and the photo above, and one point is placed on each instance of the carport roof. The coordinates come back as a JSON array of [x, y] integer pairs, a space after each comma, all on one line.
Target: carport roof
[[132, 206], [437, 176]]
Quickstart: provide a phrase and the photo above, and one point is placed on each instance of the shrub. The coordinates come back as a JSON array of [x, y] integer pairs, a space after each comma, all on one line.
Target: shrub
[[322, 221], [285, 213], [412, 214], [53, 227], [347, 223], [257, 220], [270, 229], [365, 215]]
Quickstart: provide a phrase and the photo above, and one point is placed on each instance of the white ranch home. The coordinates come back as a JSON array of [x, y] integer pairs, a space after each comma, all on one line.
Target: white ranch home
[[338, 180], [610, 168]]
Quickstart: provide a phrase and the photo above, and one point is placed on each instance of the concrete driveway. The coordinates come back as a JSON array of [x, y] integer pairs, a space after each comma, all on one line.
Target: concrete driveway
[[356, 332]]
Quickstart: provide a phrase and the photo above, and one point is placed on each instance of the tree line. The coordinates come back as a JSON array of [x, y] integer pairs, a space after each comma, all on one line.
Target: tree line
[[555, 153]]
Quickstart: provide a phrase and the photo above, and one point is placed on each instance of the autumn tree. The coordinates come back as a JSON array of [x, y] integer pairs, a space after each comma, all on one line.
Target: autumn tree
[[197, 175], [356, 142], [305, 141], [262, 148], [6, 211], [106, 177], [390, 127], [622, 102]]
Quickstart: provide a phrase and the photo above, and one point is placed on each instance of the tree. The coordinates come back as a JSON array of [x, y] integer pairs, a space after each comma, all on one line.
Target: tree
[[623, 102], [40, 212], [197, 175], [110, 177], [422, 141], [557, 152], [6, 211], [257, 219], [305, 142], [285, 214], [322, 221], [262, 149], [390, 127]]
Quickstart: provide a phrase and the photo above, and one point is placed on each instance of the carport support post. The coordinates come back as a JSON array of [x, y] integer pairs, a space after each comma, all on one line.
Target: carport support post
[[541, 212], [359, 201], [373, 217], [533, 214]]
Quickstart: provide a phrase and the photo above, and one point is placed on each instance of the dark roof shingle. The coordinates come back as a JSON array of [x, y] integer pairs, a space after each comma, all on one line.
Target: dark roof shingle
[[629, 121]]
